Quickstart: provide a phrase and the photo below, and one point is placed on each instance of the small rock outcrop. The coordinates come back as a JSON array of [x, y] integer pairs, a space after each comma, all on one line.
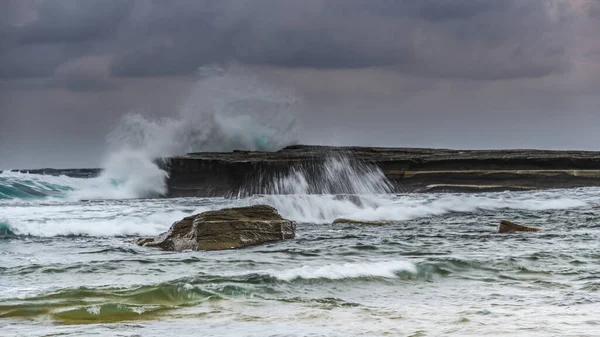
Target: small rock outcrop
[[224, 229], [511, 227], [359, 222]]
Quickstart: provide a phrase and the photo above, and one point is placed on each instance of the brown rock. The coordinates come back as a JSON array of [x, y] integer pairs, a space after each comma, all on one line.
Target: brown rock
[[511, 227], [224, 229], [360, 222]]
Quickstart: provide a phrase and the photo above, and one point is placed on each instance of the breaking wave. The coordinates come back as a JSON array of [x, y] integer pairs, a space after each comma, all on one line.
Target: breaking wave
[[129, 177], [227, 109], [116, 227], [18, 185], [384, 269]]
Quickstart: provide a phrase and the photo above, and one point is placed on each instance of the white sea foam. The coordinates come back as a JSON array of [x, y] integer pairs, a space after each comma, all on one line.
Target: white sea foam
[[326, 208], [105, 226], [387, 269], [151, 217]]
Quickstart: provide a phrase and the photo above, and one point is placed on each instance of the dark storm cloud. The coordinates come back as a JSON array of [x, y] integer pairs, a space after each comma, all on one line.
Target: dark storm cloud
[[87, 84], [480, 39], [389, 72], [472, 39], [71, 22], [594, 11], [40, 36], [30, 61], [431, 10]]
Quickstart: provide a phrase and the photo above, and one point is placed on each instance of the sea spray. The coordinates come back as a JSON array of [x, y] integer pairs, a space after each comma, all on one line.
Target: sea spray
[[342, 187], [336, 174], [129, 174], [324, 208], [322, 190], [227, 109]]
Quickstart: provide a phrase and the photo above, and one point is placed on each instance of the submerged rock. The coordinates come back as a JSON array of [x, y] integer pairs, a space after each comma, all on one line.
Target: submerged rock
[[224, 229], [360, 222], [511, 227]]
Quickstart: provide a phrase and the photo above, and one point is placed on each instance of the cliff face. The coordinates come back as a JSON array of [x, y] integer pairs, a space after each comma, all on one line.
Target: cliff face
[[407, 169]]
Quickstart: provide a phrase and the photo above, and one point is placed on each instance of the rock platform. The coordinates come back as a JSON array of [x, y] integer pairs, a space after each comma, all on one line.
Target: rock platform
[[407, 169]]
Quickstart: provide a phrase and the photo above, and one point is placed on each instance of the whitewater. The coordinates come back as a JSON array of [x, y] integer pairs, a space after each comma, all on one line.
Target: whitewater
[[68, 265]]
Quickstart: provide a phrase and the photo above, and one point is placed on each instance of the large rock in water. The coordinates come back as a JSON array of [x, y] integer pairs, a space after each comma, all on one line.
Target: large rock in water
[[224, 229]]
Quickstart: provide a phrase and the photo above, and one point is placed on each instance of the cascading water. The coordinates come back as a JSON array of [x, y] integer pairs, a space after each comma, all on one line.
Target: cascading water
[[336, 174], [319, 192]]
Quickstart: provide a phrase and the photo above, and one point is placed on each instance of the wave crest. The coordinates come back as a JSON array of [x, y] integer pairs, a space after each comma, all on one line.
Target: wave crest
[[384, 269]]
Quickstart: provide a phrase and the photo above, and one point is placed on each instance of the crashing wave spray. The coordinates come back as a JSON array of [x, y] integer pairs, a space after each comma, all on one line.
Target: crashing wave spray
[[226, 110], [337, 174], [321, 191]]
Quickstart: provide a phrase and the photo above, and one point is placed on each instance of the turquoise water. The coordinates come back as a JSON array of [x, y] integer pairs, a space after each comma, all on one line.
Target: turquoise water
[[30, 189]]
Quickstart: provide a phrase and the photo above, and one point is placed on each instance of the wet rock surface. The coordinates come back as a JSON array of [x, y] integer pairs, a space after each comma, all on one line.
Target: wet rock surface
[[224, 229]]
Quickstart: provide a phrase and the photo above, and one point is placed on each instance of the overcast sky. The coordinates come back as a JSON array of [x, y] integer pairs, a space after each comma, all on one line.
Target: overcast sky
[[427, 73]]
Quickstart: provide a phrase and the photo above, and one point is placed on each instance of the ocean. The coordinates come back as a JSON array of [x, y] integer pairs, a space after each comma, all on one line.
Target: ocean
[[68, 266]]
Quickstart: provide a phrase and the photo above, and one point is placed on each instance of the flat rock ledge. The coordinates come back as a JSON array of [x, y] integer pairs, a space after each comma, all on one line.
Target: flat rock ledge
[[224, 174], [511, 227], [224, 229]]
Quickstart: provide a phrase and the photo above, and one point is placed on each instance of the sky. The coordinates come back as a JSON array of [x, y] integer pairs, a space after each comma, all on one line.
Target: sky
[[412, 73]]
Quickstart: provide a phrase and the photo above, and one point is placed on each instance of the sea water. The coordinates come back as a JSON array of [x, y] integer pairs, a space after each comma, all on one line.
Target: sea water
[[69, 266]]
